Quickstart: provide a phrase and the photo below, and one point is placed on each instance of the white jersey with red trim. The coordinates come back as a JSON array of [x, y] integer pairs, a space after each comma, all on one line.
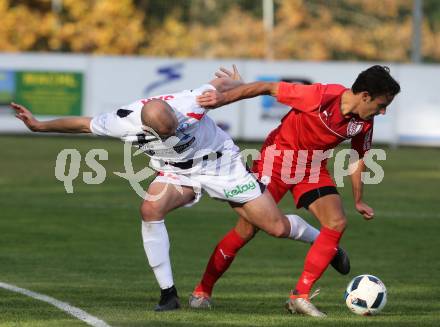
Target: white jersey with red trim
[[197, 134]]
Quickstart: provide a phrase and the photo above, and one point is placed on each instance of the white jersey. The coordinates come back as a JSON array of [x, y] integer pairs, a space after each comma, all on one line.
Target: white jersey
[[197, 134]]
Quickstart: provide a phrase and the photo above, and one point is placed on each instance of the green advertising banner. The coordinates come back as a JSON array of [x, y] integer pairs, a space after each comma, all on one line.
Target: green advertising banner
[[50, 93]]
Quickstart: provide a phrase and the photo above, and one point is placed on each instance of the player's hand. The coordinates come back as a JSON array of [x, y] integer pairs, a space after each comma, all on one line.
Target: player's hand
[[366, 211], [235, 75], [26, 116], [211, 99]]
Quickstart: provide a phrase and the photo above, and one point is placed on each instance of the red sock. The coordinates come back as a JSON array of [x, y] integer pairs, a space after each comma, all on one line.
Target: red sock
[[220, 260], [318, 258]]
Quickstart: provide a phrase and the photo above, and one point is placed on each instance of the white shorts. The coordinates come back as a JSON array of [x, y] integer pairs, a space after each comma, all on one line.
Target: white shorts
[[225, 179]]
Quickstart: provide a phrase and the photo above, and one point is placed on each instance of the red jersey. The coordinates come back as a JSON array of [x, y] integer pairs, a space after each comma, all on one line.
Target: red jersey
[[316, 121]]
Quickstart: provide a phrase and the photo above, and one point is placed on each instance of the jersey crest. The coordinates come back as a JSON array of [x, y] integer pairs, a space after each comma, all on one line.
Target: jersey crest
[[354, 127]]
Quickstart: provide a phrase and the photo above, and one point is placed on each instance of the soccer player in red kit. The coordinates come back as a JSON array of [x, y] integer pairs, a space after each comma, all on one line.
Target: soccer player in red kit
[[293, 159]]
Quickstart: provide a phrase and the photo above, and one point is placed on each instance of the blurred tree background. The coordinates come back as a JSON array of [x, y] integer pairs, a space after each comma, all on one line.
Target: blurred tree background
[[304, 30]]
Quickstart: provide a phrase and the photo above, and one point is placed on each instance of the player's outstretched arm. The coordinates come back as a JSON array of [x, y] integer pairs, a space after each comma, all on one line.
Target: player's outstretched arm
[[62, 125], [356, 182], [215, 99]]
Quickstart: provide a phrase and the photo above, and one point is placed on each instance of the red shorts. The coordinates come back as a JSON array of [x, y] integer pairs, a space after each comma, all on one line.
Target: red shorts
[[278, 186]]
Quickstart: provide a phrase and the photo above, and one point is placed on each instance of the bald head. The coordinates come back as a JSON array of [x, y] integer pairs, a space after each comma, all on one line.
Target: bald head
[[158, 115]]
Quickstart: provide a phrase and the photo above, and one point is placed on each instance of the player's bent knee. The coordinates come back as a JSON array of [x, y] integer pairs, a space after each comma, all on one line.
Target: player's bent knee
[[248, 234], [246, 231], [278, 230], [338, 223], [151, 210]]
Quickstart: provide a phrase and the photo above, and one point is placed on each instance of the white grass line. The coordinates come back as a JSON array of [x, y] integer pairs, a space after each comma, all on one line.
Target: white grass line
[[66, 307]]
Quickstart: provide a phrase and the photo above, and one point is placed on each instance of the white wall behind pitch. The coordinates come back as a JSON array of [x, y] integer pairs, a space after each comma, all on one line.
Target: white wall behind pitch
[[109, 82], [419, 117]]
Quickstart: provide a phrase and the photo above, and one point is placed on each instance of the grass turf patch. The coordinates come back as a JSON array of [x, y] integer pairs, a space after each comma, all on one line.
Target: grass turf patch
[[85, 248]]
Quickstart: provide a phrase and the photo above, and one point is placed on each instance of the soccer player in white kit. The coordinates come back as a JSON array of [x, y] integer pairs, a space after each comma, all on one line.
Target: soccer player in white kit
[[191, 154]]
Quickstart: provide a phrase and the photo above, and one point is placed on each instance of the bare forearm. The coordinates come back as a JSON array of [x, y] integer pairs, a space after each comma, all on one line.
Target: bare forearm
[[229, 86], [356, 181], [65, 125], [250, 90], [225, 84]]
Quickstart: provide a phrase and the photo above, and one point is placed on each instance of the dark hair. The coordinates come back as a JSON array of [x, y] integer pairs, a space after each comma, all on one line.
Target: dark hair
[[377, 81]]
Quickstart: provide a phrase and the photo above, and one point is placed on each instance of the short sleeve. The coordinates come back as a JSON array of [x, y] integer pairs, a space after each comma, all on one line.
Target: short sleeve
[[187, 103], [205, 87], [362, 141], [107, 124], [301, 97]]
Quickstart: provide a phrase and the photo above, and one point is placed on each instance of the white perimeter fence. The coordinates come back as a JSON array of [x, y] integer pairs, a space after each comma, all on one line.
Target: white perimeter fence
[[55, 85]]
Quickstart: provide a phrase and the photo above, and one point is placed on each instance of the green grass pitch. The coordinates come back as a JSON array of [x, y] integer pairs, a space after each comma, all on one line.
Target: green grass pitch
[[85, 248]]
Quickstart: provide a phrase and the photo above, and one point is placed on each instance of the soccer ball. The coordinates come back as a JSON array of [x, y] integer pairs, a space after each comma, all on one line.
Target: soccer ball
[[366, 295]]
